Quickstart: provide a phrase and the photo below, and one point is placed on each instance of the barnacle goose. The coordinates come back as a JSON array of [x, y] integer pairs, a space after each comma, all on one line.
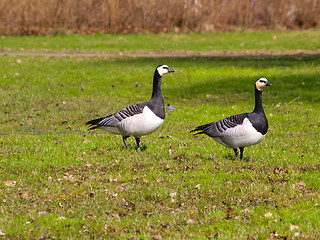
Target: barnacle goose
[[241, 130], [139, 119]]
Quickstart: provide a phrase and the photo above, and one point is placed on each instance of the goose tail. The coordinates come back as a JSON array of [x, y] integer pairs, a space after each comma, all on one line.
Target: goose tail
[[94, 123], [199, 128]]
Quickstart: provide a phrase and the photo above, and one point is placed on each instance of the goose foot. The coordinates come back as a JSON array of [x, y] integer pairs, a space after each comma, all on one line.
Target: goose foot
[[241, 152], [236, 151], [125, 142], [138, 144]]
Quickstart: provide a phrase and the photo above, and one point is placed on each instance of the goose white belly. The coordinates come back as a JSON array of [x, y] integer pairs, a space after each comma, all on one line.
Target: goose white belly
[[112, 130], [240, 136], [140, 124]]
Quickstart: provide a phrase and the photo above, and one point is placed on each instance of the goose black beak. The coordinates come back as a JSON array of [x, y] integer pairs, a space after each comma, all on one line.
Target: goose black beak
[[171, 70], [268, 84]]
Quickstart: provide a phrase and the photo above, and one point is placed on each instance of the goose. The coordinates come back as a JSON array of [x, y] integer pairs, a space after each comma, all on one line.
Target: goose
[[241, 130], [139, 119]]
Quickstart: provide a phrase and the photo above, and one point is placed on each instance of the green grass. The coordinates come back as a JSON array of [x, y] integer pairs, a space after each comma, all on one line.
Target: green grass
[[265, 41], [71, 183]]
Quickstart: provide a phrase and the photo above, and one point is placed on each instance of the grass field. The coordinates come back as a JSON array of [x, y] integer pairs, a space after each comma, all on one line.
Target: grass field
[[263, 42], [59, 181]]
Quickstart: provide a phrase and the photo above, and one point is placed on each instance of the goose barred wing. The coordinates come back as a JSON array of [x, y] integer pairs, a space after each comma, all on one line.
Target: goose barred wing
[[217, 129], [113, 119]]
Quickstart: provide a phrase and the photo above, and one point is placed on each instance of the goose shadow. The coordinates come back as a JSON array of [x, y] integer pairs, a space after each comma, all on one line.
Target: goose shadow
[[143, 147], [232, 157]]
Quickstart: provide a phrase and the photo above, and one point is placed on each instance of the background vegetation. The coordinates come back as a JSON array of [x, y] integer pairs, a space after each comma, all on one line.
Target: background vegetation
[[49, 17]]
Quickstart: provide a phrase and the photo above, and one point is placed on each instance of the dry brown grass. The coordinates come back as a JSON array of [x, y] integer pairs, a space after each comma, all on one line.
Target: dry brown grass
[[42, 17]]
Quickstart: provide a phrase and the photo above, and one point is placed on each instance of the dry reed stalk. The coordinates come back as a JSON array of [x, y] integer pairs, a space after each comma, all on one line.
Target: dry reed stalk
[[42, 17]]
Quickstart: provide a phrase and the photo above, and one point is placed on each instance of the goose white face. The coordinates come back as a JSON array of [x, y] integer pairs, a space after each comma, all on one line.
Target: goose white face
[[164, 69], [261, 83]]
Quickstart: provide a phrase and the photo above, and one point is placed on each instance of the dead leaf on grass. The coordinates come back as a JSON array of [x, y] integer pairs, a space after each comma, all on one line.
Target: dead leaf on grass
[[179, 157], [280, 170], [186, 168], [140, 180], [2, 233], [274, 234], [166, 226], [248, 211], [244, 216], [42, 213], [268, 215], [119, 189], [171, 148], [191, 221], [161, 180], [69, 177], [25, 196], [173, 194], [158, 237], [45, 237], [9, 183], [229, 212], [293, 227], [91, 194], [189, 167]]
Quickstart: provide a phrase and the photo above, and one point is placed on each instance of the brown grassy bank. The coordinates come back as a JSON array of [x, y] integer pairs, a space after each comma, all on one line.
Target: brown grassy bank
[[42, 17]]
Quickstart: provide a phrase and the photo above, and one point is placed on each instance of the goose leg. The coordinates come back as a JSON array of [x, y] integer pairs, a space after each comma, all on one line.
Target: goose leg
[[241, 152], [138, 144], [236, 151], [124, 138]]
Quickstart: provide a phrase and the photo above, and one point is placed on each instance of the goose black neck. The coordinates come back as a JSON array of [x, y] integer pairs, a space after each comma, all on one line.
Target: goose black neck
[[156, 92], [258, 101]]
